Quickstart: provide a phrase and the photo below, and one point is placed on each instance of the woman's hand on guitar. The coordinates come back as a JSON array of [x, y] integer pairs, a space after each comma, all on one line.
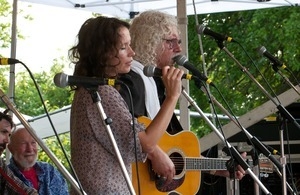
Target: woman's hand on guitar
[[162, 165]]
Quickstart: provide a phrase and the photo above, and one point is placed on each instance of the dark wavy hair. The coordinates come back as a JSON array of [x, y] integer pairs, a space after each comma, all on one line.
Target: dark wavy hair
[[4, 115], [98, 39]]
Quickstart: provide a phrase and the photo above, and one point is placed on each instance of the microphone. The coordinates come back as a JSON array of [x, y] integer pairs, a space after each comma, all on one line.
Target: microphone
[[181, 60], [7, 61], [263, 51], [62, 80], [152, 71], [206, 31]]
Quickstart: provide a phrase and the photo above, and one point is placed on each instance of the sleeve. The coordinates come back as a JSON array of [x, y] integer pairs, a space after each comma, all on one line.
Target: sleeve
[[58, 183]]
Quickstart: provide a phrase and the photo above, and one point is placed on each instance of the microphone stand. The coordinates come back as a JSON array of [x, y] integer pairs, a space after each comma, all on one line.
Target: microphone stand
[[233, 151], [106, 122], [260, 146], [62, 169], [281, 108], [275, 68], [281, 126]]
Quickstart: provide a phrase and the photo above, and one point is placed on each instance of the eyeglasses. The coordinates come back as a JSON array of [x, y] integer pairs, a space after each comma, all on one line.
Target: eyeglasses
[[173, 42]]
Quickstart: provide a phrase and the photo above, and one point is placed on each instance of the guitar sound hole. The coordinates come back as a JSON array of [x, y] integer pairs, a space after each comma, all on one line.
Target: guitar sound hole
[[178, 162]]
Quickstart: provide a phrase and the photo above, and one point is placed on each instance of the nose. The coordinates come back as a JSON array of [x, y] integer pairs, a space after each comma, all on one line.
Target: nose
[[29, 147], [131, 52], [177, 48]]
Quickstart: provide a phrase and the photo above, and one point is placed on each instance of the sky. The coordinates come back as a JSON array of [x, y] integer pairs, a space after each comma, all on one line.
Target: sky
[[48, 36]]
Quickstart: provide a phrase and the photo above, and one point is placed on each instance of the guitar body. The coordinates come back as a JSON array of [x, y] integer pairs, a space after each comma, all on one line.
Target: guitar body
[[180, 146]]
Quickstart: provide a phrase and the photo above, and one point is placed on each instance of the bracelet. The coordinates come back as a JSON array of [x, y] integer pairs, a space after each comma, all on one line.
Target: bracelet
[[212, 172]]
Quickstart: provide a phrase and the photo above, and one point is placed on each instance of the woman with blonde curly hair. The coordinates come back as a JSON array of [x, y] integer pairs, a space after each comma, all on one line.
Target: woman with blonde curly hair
[[155, 38]]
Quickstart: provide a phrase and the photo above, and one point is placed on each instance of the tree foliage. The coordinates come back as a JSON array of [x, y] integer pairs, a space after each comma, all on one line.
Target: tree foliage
[[275, 28], [5, 24], [27, 96]]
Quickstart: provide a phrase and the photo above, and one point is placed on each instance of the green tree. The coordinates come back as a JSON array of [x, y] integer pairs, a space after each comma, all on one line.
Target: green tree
[[5, 23], [27, 97], [251, 29]]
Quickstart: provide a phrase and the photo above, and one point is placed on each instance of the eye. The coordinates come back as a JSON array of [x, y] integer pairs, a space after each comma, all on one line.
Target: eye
[[173, 42]]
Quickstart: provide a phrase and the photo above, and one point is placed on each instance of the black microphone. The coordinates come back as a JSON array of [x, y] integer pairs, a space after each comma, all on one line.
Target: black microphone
[[206, 31], [62, 80], [181, 60], [152, 71], [263, 51], [7, 61]]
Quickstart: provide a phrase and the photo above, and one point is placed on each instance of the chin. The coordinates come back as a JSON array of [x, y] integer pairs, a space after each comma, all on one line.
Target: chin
[[126, 71]]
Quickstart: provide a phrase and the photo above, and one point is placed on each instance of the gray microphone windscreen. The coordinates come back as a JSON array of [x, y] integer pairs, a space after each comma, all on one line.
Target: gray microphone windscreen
[[180, 60], [151, 71], [61, 80]]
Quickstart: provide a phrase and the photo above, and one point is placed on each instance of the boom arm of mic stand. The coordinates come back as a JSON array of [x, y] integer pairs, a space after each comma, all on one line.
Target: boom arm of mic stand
[[279, 106], [258, 145], [254, 140], [285, 79], [62, 169], [234, 152]]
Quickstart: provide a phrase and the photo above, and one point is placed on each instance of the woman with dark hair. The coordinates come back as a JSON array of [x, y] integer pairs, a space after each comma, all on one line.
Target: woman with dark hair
[[104, 51]]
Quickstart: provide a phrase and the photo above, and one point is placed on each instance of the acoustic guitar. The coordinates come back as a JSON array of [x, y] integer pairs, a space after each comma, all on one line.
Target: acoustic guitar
[[183, 149]]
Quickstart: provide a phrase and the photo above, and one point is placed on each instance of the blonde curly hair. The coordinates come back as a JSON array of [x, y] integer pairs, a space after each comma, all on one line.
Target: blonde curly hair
[[147, 31]]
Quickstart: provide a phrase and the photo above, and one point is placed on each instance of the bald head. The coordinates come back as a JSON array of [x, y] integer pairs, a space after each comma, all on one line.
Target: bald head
[[23, 148]]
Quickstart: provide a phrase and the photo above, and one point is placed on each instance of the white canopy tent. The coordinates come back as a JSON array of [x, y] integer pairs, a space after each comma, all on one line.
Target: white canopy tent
[[127, 8], [122, 9]]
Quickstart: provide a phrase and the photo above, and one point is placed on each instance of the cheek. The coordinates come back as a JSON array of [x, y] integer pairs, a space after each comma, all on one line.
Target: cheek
[[166, 57]]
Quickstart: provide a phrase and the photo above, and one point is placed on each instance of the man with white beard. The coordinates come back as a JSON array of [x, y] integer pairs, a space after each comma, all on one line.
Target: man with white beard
[[40, 175]]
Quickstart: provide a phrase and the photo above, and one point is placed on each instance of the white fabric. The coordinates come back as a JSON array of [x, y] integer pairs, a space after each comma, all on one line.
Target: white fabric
[[151, 96]]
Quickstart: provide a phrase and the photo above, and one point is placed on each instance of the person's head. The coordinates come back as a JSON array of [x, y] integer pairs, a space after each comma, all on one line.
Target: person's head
[[24, 148], [155, 38], [103, 48], [6, 125]]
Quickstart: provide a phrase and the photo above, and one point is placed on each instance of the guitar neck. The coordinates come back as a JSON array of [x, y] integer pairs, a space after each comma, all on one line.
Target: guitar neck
[[205, 164]]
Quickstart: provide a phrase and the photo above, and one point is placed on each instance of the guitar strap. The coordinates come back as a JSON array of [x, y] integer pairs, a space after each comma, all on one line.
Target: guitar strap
[[9, 180]]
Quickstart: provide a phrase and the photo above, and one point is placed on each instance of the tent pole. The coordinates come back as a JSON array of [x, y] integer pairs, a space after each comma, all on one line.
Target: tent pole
[[182, 24], [11, 88]]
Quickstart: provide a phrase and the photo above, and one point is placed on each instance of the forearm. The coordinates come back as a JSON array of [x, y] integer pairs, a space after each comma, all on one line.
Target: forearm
[[150, 137]]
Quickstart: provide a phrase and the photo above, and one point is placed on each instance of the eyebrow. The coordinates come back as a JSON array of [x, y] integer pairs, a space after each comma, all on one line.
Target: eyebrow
[[5, 131]]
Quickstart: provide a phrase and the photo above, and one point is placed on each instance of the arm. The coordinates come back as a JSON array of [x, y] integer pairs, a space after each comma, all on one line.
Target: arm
[[172, 81]]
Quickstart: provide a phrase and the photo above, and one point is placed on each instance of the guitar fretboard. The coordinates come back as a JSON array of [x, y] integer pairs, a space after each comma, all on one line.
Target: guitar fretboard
[[205, 164]]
